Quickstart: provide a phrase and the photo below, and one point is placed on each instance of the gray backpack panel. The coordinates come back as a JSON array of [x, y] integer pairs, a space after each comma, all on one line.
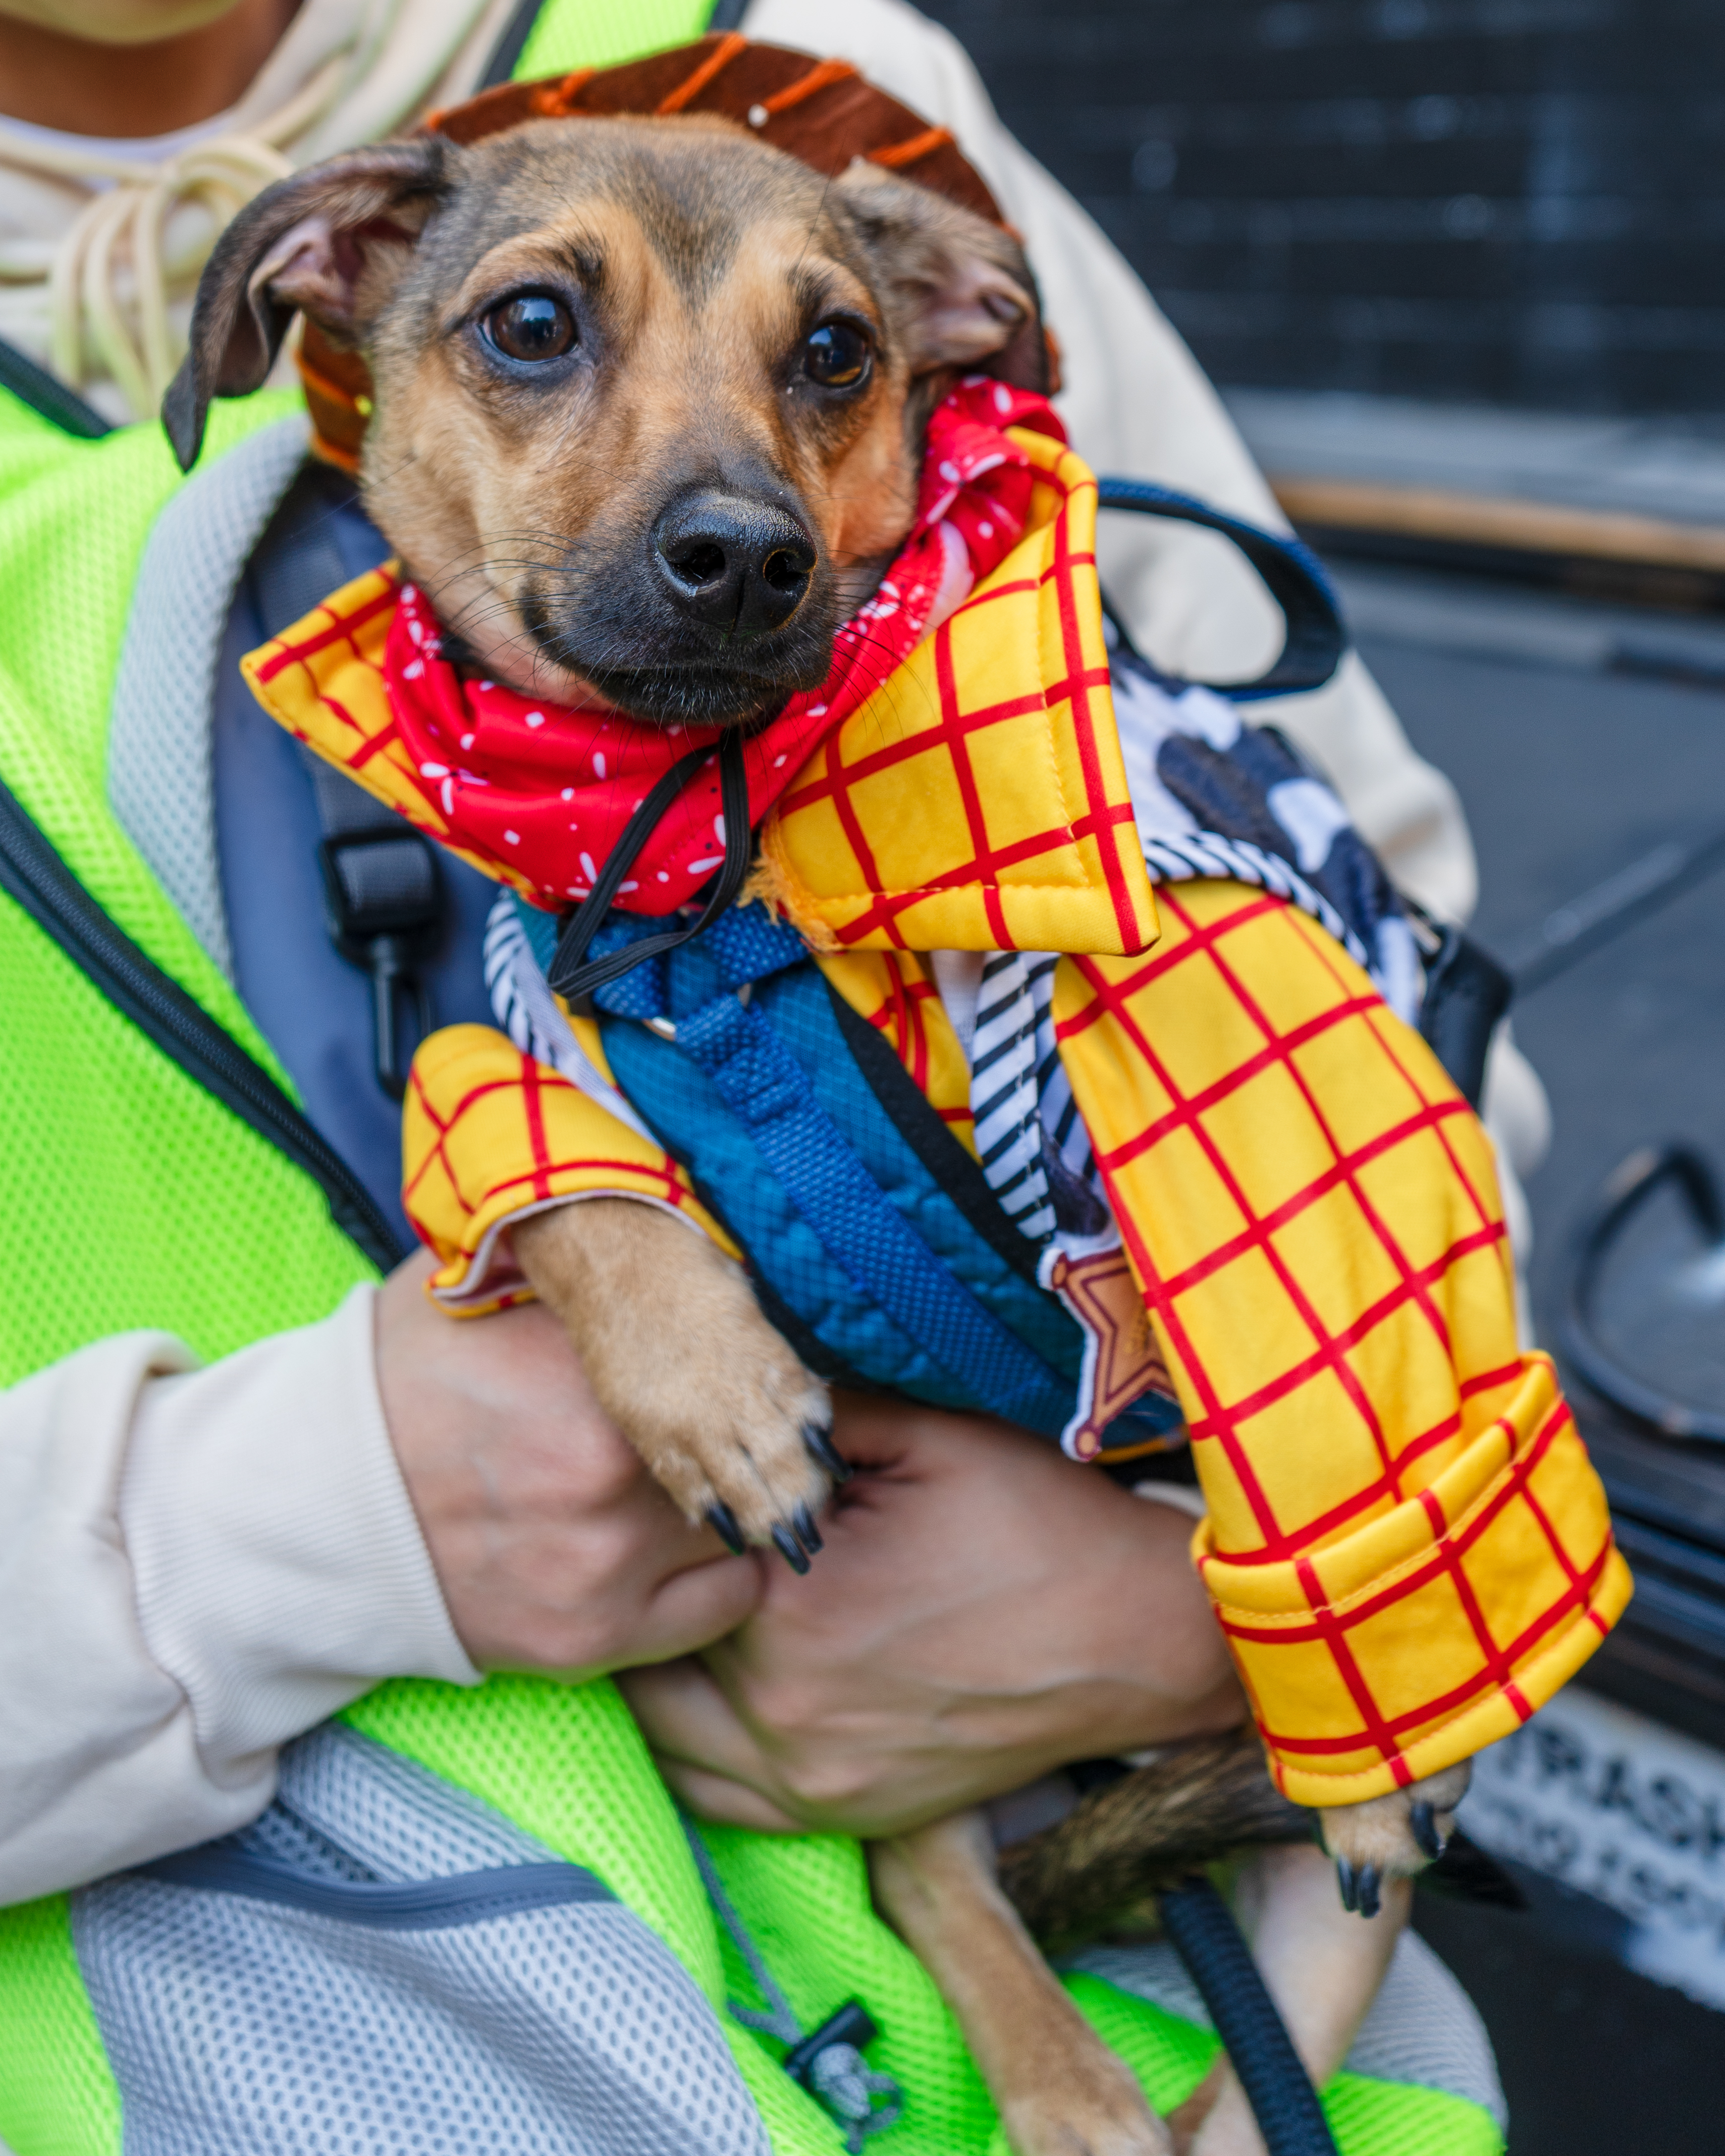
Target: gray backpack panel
[[383, 1963]]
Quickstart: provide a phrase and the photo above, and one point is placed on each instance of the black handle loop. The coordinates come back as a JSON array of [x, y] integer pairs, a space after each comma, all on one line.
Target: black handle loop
[[1626, 1191], [1315, 641], [572, 974]]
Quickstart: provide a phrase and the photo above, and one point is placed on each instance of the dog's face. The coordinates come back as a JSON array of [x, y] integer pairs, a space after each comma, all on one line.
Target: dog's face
[[649, 394]]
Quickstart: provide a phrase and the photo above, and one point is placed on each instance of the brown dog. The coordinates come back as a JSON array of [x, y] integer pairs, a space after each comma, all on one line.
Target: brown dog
[[649, 398]]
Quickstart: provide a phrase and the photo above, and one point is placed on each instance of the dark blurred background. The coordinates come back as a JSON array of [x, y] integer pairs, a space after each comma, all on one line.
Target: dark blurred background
[[1516, 201]]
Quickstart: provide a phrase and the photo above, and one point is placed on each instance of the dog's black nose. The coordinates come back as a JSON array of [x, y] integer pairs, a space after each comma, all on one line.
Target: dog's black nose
[[736, 564]]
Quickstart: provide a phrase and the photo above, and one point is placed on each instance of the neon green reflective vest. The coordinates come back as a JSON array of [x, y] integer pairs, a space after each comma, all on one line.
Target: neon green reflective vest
[[144, 1201]]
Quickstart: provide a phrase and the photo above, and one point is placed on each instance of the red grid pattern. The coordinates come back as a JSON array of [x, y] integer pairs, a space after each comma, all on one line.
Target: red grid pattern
[[1260, 1057], [963, 750]]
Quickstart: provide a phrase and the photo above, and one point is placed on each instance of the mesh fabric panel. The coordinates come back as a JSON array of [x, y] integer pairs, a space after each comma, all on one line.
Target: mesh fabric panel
[[567, 1763], [57, 2094], [246, 2025], [1392, 2118], [161, 774], [571, 33], [136, 1186], [77, 515]]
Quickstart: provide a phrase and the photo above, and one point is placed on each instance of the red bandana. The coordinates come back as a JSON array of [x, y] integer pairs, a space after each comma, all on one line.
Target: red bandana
[[546, 789]]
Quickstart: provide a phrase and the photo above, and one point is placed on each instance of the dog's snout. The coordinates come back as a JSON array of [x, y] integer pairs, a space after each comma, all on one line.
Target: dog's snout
[[736, 564]]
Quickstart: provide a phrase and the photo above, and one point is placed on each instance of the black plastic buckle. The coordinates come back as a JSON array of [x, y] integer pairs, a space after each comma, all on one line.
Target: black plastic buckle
[[388, 938]]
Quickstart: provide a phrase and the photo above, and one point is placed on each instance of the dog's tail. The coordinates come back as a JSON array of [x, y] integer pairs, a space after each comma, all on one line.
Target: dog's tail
[[1145, 1831]]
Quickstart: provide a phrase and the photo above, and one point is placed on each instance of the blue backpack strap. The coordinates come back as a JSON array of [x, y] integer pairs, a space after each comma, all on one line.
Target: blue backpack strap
[[764, 1086], [1315, 641]]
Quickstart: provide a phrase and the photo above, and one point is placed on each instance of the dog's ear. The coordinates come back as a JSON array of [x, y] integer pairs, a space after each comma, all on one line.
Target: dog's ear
[[331, 241], [964, 293]]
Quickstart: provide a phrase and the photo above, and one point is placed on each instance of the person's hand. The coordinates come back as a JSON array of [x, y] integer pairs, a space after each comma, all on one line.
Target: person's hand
[[984, 1610], [554, 1548]]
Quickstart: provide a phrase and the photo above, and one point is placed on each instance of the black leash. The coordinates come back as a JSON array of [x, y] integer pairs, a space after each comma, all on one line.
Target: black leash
[[1253, 2034]]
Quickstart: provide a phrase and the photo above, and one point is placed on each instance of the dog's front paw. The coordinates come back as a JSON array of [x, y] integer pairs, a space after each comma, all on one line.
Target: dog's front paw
[[734, 1427], [673, 1343], [1391, 1837]]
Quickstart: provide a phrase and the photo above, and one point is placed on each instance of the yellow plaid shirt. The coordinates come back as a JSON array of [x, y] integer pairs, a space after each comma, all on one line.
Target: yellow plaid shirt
[[1405, 1543]]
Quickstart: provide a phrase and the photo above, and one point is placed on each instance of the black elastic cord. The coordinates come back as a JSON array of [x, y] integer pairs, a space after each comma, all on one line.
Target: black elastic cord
[[567, 974]]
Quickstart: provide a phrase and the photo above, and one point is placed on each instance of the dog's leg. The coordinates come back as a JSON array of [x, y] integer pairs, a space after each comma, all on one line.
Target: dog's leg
[[1393, 1837], [679, 1356], [1058, 2089], [1322, 1969]]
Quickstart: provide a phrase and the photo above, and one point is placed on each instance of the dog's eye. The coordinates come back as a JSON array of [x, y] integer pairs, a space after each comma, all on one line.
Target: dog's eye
[[836, 356], [533, 326]]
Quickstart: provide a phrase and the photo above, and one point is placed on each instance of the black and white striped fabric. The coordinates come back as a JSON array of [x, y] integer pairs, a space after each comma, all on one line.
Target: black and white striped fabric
[[1213, 796]]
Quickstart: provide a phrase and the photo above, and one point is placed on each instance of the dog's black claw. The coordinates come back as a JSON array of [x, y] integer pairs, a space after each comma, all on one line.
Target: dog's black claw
[[790, 1549], [802, 1520], [722, 1520], [1349, 1885], [823, 1449], [1422, 1825], [1367, 1882]]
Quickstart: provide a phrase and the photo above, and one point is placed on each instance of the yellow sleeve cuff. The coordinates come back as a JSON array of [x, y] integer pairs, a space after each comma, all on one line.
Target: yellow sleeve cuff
[[1440, 1625], [489, 1135]]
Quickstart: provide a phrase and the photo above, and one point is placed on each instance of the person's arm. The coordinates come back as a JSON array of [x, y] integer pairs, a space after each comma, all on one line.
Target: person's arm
[[198, 1565], [194, 1565], [1138, 405]]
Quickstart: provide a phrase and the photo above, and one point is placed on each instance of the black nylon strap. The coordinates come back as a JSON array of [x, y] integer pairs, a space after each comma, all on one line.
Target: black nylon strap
[[506, 53], [48, 397], [566, 975]]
